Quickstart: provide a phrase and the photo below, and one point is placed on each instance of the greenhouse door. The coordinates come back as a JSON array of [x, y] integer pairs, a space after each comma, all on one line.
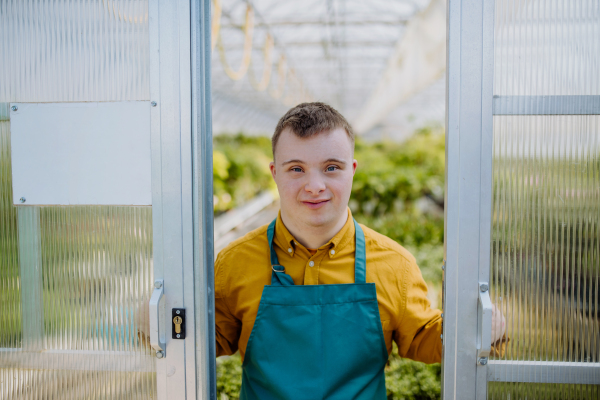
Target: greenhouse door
[[522, 199], [105, 200]]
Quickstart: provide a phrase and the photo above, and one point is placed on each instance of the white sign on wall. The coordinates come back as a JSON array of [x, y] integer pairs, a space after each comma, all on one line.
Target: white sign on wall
[[81, 153]]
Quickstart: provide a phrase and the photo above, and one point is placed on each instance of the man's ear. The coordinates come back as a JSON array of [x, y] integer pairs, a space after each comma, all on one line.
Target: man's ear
[[272, 168], [354, 165]]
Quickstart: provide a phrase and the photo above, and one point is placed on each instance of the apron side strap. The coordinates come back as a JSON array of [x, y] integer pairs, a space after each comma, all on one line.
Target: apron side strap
[[270, 236], [360, 256]]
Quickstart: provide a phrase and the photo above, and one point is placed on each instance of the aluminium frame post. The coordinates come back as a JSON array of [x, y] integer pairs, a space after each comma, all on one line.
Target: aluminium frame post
[[468, 194], [206, 376], [170, 39]]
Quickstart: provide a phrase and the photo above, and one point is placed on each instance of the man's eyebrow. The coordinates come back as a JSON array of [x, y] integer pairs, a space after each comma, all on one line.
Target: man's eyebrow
[[335, 160], [295, 161]]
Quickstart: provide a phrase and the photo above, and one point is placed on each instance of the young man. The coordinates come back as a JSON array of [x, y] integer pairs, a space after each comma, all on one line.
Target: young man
[[313, 300]]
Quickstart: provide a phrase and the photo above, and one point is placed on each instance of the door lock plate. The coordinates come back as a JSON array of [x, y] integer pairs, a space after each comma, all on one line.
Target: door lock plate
[[178, 323]]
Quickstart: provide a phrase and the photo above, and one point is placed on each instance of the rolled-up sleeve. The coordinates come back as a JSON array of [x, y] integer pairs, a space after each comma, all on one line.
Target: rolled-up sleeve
[[227, 327], [418, 334]]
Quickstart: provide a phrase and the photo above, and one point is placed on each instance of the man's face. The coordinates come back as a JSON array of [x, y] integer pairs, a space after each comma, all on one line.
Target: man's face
[[314, 177]]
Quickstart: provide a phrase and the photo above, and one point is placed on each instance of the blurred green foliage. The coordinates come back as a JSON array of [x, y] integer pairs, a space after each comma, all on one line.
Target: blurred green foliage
[[391, 176], [410, 380], [409, 227], [391, 179], [240, 169], [229, 377]]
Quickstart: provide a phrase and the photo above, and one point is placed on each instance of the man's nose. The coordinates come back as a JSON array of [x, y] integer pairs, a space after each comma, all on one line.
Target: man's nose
[[315, 184]]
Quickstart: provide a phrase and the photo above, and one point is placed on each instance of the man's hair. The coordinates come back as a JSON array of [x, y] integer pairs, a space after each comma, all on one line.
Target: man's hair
[[309, 119]]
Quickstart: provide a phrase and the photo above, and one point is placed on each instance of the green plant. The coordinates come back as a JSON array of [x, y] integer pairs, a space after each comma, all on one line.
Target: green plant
[[229, 377], [240, 169], [392, 176], [411, 380]]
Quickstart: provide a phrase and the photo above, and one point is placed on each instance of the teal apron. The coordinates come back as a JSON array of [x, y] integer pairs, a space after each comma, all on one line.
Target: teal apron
[[316, 341]]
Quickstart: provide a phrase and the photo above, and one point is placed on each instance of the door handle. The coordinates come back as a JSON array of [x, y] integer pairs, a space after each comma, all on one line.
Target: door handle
[[484, 314], [154, 314]]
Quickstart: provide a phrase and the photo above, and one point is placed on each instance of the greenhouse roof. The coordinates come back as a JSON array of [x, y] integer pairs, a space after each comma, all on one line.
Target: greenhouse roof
[[381, 62]]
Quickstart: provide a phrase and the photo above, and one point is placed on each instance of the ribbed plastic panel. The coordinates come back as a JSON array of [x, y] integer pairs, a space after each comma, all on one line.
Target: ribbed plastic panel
[[83, 50], [74, 281], [541, 391], [10, 291], [547, 47], [545, 273], [546, 236], [97, 269]]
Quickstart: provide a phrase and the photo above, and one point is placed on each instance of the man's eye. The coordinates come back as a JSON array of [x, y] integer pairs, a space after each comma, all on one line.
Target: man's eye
[[296, 169], [331, 168]]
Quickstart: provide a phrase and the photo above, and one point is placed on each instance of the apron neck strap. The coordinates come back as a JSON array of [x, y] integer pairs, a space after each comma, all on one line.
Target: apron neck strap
[[279, 277], [360, 255]]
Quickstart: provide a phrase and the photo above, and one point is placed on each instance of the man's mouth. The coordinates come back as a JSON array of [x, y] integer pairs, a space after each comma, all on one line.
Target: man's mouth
[[314, 204]]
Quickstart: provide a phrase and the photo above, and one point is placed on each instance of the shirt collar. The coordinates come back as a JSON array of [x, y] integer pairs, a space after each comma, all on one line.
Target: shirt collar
[[285, 240]]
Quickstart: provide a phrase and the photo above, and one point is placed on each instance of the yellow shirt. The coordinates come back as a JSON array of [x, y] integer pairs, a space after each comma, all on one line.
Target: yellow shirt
[[243, 268]]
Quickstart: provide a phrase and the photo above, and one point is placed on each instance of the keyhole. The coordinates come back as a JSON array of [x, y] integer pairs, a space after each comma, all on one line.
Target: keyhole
[[177, 321]]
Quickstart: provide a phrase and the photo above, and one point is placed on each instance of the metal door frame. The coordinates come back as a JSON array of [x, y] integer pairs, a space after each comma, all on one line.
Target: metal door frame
[[182, 206], [468, 194], [202, 197], [470, 107], [182, 210]]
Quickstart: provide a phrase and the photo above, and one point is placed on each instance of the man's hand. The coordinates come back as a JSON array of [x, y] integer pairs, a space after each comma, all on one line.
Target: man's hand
[[498, 324], [142, 317]]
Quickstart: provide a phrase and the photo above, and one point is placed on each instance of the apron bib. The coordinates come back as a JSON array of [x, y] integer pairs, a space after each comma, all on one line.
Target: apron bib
[[316, 341]]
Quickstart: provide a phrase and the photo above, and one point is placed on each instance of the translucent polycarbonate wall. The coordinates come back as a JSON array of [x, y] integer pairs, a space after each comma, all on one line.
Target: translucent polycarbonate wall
[[10, 293], [546, 236], [514, 390], [96, 267], [547, 47], [65, 50], [73, 280], [545, 256]]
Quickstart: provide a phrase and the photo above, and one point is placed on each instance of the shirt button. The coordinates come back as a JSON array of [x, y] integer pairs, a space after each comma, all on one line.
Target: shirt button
[[311, 264], [289, 250], [332, 252]]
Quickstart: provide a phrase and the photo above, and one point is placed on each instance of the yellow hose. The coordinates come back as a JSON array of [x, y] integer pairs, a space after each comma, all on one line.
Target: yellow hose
[[282, 73], [112, 9], [267, 66], [248, 32], [293, 96], [215, 23], [282, 68]]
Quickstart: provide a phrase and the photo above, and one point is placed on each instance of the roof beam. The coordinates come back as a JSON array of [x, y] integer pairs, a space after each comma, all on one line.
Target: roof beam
[[279, 24], [319, 43]]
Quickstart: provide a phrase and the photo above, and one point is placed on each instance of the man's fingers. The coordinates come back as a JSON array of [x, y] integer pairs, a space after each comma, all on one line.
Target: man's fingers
[[498, 324], [142, 316]]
